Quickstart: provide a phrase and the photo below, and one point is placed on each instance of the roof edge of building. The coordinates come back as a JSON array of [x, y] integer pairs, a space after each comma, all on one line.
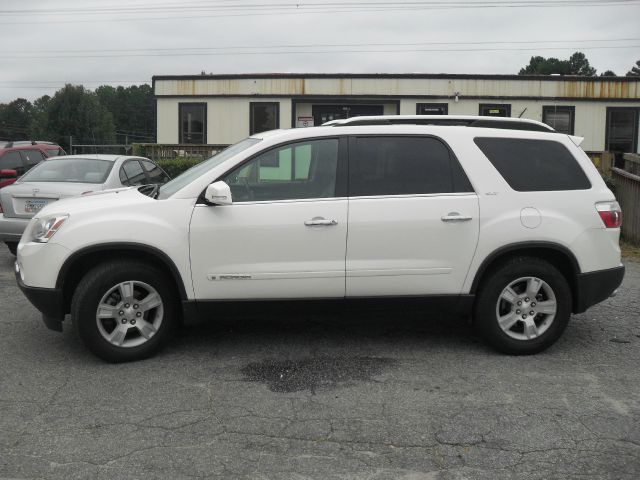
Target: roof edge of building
[[453, 76]]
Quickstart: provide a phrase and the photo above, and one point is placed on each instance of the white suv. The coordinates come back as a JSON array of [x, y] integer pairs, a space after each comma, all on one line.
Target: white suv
[[515, 227]]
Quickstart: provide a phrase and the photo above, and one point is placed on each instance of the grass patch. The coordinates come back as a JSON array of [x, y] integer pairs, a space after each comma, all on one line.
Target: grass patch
[[630, 250]]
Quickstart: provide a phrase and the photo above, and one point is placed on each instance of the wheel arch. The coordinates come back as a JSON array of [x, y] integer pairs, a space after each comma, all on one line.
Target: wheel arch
[[559, 255], [80, 262]]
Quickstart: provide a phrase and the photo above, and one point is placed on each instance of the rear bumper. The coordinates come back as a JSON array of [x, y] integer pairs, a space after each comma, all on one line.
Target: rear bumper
[[49, 301], [594, 287], [11, 228]]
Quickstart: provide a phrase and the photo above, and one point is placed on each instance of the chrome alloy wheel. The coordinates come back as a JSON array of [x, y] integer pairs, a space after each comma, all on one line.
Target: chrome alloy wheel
[[129, 314], [526, 308]]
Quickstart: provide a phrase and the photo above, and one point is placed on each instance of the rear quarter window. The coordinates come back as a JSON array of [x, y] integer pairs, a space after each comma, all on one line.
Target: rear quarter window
[[530, 165]]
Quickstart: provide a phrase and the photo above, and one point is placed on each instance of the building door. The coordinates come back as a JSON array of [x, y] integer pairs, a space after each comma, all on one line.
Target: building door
[[326, 113], [622, 132], [495, 110]]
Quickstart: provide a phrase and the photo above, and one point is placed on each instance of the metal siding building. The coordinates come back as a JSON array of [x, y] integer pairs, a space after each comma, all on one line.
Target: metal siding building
[[222, 109]]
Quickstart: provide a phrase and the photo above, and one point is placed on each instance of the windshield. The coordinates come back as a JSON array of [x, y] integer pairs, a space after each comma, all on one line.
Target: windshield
[[74, 170], [196, 171]]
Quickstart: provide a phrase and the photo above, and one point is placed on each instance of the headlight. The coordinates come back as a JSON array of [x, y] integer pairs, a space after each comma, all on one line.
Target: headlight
[[46, 227]]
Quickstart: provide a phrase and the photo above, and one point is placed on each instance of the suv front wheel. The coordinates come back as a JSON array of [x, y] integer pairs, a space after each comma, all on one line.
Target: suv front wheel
[[124, 311], [523, 306]]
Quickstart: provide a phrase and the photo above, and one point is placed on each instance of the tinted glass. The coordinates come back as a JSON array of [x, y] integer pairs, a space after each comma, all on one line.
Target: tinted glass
[[131, 174], [432, 108], [264, 116], [295, 171], [154, 172], [11, 161], [75, 170], [193, 120], [560, 118], [54, 152], [495, 110], [403, 166], [534, 165], [32, 157]]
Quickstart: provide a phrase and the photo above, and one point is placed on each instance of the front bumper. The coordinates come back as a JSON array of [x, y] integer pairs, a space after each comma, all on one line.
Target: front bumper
[[594, 287], [11, 228], [50, 302]]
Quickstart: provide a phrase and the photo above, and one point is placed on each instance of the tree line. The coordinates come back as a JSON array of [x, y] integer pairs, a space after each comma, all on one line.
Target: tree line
[[105, 116], [576, 64]]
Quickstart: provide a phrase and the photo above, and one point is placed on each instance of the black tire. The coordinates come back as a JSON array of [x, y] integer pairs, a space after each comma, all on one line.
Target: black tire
[[97, 283], [489, 294], [13, 247]]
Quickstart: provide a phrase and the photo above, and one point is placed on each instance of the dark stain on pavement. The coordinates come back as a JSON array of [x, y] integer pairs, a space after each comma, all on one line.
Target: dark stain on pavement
[[315, 373]]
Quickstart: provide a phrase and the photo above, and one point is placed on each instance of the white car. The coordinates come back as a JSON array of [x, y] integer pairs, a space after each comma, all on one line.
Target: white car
[[514, 227], [68, 176]]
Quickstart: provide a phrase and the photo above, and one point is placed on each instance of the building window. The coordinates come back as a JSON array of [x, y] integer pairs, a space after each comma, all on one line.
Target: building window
[[264, 116], [495, 109], [432, 109], [193, 123], [561, 118], [623, 131]]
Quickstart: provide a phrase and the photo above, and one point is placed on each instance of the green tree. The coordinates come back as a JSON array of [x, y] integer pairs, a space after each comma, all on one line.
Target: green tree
[[14, 120], [75, 111], [608, 73], [577, 64], [635, 71], [38, 127], [132, 111]]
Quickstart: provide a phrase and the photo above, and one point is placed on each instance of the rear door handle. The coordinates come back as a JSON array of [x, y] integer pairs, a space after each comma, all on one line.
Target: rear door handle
[[455, 217], [320, 221]]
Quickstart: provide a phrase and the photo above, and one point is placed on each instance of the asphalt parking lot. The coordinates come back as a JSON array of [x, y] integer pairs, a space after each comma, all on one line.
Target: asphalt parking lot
[[388, 396]]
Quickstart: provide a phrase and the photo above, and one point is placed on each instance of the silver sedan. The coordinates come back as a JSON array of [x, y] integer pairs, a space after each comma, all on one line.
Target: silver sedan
[[68, 176]]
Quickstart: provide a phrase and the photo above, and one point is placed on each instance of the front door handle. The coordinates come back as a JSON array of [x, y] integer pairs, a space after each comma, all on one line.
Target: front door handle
[[455, 217], [320, 221]]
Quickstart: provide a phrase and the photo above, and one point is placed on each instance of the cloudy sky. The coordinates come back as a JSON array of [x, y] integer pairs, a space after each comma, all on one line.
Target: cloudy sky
[[47, 43]]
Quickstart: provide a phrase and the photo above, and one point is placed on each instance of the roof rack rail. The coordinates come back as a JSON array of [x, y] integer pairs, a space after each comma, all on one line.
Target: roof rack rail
[[17, 143], [507, 123]]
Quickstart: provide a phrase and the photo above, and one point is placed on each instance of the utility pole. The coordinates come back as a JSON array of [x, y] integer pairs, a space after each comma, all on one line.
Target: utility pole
[[70, 145]]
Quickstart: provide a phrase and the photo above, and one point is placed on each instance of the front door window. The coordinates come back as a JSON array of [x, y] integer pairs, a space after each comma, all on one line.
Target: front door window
[[295, 171]]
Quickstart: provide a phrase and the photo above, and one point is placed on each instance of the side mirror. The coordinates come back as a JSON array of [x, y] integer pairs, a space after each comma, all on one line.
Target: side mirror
[[5, 174], [218, 193]]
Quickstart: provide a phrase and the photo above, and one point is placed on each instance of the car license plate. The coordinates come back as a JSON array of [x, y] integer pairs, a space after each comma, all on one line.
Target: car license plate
[[33, 206]]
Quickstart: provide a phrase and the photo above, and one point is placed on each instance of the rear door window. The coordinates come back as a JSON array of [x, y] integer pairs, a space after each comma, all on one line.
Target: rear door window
[[131, 173], [530, 165], [397, 165], [154, 172], [31, 157], [12, 161]]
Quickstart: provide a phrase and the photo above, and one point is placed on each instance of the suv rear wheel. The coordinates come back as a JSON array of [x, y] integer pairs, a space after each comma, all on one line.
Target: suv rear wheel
[[523, 306], [124, 310]]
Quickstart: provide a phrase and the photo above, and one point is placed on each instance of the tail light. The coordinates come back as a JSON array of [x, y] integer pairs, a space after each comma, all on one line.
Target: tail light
[[610, 213]]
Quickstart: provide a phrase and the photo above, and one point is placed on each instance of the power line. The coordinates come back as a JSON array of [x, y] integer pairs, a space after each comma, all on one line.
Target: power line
[[308, 52], [298, 5], [318, 45], [322, 8]]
